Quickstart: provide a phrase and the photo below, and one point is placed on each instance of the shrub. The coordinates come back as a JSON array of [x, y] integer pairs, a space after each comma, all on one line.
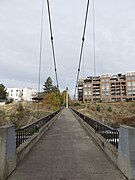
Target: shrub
[[2, 115], [110, 109], [9, 101], [20, 107], [98, 108], [76, 104]]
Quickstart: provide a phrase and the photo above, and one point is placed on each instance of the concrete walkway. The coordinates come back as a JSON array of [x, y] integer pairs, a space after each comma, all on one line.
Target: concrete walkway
[[65, 152]]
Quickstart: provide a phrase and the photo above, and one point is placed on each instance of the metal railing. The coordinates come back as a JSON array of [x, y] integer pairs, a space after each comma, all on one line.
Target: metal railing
[[110, 134], [27, 131]]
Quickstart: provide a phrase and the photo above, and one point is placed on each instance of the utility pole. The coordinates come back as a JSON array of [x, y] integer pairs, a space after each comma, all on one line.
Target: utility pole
[[66, 97]]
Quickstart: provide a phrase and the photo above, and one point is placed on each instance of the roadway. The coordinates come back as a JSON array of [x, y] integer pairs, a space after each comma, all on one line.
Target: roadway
[[66, 152]]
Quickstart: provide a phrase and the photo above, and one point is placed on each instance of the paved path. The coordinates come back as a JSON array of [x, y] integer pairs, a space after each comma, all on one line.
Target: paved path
[[65, 152]]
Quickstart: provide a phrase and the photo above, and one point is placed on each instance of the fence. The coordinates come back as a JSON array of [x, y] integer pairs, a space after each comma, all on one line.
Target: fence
[[110, 134], [25, 132]]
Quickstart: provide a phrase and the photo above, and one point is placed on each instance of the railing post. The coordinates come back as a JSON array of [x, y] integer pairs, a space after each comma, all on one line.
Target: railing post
[[7, 150], [126, 155]]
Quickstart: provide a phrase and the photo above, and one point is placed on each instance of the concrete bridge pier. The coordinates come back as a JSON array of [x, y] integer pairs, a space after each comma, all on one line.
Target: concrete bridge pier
[[7, 151], [126, 155]]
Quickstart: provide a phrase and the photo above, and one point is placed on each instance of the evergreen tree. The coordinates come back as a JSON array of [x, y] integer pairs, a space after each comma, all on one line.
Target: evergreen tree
[[55, 89], [47, 87], [3, 93]]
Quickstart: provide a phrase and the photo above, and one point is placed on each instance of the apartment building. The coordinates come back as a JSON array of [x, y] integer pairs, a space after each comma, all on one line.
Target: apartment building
[[21, 94], [107, 88], [92, 88], [130, 82], [80, 90]]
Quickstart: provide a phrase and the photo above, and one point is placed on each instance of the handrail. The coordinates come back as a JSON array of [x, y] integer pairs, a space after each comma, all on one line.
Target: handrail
[[109, 133], [25, 132]]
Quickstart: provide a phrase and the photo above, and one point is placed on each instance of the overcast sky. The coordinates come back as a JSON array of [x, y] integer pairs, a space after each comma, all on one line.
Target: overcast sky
[[20, 35]]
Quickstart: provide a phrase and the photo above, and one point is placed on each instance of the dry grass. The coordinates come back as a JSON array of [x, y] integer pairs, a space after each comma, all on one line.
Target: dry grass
[[112, 114], [13, 114]]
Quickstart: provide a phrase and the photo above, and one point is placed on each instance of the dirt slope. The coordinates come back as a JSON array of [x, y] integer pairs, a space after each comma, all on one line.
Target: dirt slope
[[112, 114], [21, 114]]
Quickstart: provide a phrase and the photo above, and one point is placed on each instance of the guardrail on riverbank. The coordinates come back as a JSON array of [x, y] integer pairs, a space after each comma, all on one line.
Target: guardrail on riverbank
[[110, 134]]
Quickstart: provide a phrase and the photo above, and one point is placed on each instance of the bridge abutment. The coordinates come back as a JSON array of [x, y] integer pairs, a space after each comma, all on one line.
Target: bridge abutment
[[7, 150], [126, 155]]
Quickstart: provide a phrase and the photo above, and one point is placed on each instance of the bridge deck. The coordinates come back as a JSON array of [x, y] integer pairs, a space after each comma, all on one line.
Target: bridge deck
[[66, 152]]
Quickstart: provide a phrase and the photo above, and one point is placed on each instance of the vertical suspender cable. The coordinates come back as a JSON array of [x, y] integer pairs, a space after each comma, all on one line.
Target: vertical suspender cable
[[82, 45], [83, 65], [52, 42], [94, 44], [40, 53]]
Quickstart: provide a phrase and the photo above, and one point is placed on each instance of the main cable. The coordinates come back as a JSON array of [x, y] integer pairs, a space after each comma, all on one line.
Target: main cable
[[94, 44], [40, 53], [82, 46], [40, 46], [94, 40], [52, 42]]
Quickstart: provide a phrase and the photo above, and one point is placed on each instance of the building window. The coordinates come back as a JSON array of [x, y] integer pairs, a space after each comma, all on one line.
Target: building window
[[89, 92], [12, 90], [17, 90], [85, 93], [103, 87], [129, 83], [78, 88], [128, 78]]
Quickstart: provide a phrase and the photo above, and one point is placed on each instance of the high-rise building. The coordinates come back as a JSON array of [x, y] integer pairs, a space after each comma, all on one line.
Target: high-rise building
[[107, 88]]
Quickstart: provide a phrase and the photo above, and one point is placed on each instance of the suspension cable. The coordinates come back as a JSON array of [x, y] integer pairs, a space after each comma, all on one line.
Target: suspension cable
[[94, 42], [52, 42], [40, 47], [40, 53], [82, 46]]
